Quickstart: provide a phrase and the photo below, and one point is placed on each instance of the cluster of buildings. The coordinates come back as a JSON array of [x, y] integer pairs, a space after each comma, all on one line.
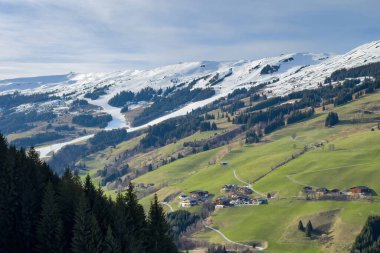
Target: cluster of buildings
[[142, 185], [238, 200], [235, 189], [324, 193], [194, 198]]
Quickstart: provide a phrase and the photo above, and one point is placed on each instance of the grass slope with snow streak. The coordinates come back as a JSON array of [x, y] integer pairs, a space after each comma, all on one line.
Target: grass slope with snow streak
[[296, 72]]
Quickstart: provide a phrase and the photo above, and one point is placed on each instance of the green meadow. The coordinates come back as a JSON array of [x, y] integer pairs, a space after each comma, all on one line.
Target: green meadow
[[349, 157]]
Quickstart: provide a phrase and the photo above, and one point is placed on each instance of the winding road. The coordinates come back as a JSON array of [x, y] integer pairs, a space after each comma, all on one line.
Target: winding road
[[246, 183], [224, 236], [168, 205]]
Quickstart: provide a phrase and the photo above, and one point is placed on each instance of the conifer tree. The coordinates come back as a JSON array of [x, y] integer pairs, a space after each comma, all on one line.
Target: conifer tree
[[40, 212], [8, 196], [137, 222], [50, 228], [89, 189], [369, 238], [332, 119], [111, 245], [159, 230], [308, 229], [122, 217], [300, 226], [87, 237]]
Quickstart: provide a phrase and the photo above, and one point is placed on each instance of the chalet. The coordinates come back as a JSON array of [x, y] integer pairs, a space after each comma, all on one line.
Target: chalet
[[359, 190], [189, 202], [262, 201], [307, 189], [236, 189], [245, 190], [335, 192], [199, 194], [241, 200], [222, 202], [182, 196], [322, 191], [229, 187]]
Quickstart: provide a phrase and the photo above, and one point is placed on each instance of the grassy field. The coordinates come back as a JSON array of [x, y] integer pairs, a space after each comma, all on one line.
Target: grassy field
[[350, 157], [277, 224]]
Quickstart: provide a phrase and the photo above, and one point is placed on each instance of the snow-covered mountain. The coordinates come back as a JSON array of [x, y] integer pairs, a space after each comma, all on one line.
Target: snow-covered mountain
[[285, 73]]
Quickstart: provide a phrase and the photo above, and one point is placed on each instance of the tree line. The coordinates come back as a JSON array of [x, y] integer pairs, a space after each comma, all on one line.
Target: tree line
[[41, 212], [332, 119], [88, 120], [69, 154], [171, 130], [177, 98], [368, 241], [11, 122], [36, 139], [372, 69], [123, 97]]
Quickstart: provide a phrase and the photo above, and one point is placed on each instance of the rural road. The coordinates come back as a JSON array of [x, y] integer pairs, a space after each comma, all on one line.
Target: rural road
[[296, 181], [168, 205], [244, 182], [289, 176], [225, 237]]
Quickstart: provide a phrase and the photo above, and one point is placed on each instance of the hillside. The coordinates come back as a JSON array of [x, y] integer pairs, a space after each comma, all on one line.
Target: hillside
[[353, 161], [251, 148], [66, 96]]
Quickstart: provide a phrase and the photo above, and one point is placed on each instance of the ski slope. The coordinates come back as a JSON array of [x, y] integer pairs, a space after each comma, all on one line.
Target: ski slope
[[291, 72]]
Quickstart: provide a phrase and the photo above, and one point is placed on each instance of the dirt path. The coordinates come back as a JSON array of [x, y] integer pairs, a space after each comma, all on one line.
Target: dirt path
[[297, 182], [246, 183], [168, 205], [225, 237], [289, 176]]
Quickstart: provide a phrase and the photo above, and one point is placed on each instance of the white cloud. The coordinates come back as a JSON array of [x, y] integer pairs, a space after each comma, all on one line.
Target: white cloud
[[48, 36]]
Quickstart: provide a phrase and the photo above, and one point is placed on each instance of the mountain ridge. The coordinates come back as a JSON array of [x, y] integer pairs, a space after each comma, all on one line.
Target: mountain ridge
[[282, 74]]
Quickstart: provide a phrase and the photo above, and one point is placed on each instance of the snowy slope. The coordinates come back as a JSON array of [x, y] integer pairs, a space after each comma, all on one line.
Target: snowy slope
[[291, 71]]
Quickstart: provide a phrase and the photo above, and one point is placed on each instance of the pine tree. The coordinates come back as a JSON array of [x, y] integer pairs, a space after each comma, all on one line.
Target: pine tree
[[40, 212], [8, 197], [300, 226], [332, 119], [369, 238], [309, 229], [111, 245], [87, 237], [96, 238], [122, 231], [136, 220], [34, 156], [159, 230], [89, 189], [50, 228], [69, 192]]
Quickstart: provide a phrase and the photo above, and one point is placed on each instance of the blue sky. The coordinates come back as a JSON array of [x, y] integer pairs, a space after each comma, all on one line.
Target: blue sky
[[39, 37]]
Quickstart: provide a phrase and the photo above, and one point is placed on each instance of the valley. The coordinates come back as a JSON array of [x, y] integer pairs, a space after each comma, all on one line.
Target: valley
[[250, 150]]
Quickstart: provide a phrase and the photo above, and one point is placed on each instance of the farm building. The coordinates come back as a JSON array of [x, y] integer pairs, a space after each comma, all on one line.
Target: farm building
[[189, 202], [182, 197], [359, 190], [199, 194]]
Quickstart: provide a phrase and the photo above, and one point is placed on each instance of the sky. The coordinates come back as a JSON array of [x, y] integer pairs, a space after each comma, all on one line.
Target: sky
[[45, 37]]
